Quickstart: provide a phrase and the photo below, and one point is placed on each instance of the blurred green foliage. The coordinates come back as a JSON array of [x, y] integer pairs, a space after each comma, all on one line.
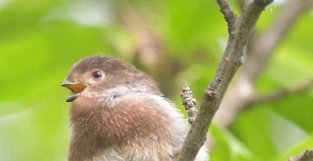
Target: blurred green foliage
[[41, 39]]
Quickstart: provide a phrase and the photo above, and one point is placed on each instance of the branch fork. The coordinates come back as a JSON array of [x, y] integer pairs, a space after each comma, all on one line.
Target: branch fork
[[240, 31]]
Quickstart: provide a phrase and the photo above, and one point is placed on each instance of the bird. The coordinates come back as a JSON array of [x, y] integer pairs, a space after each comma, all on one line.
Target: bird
[[118, 113]]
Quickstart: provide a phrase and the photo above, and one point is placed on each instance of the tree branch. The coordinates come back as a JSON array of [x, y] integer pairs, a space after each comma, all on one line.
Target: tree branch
[[257, 59], [244, 87], [281, 94], [229, 15], [305, 156], [190, 104], [228, 66]]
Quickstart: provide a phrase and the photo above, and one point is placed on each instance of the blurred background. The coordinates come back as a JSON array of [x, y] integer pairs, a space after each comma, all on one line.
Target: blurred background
[[174, 41]]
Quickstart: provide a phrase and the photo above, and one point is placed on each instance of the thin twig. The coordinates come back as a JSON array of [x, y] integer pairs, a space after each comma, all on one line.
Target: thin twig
[[305, 156], [190, 104], [229, 15], [228, 66]]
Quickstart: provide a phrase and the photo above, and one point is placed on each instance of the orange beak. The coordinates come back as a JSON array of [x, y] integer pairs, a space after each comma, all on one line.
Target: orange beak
[[75, 87]]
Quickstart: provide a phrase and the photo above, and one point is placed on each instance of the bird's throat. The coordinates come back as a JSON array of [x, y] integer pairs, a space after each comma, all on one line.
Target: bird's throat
[[123, 124]]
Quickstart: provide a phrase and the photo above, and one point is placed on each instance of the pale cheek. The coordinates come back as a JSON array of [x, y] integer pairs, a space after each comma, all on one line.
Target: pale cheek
[[91, 81]]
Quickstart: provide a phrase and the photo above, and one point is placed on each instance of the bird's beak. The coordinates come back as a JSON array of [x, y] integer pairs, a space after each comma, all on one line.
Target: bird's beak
[[75, 87]]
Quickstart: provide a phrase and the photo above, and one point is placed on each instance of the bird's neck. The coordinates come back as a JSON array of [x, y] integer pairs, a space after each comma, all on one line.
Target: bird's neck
[[122, 90], [107, 126]]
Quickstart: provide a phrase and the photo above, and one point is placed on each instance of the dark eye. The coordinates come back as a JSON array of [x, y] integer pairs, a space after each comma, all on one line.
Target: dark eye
[[96, 74]]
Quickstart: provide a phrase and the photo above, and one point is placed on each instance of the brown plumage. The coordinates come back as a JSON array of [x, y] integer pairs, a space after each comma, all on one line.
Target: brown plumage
[[119, 114]]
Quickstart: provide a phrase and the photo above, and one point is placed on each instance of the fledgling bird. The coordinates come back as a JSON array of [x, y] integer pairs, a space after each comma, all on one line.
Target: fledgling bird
[[119, 114]]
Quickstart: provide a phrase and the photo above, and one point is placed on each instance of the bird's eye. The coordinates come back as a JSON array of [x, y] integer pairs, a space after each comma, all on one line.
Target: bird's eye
[[96, 74]]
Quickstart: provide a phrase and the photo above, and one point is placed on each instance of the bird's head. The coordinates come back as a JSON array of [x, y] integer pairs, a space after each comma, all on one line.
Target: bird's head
[[97, 74]]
